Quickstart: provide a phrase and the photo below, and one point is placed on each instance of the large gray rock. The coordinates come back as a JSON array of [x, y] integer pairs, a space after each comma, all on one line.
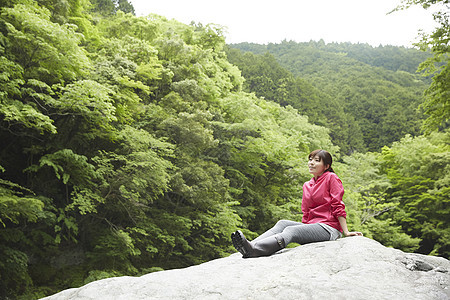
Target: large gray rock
[[349, 268]]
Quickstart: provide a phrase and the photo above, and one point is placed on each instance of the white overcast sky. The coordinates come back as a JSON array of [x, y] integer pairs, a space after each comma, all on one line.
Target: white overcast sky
[[262, 21]]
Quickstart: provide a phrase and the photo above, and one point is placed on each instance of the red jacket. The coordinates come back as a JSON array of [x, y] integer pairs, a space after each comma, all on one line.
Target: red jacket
[[322, 200]]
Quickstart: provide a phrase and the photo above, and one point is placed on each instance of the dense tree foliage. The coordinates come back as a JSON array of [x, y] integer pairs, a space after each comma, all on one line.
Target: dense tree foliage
[[418, 169], [132, 145]]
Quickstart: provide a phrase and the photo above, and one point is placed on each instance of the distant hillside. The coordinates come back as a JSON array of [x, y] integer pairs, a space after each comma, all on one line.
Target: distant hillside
[[265, 77], [376, 86], [388, 57]]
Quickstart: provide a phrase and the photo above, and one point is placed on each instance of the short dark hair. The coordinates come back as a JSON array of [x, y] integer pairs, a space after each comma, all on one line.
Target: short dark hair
[[324, 156]]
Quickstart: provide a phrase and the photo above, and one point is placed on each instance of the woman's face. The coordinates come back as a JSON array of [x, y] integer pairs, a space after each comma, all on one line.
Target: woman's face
[[316, 166]]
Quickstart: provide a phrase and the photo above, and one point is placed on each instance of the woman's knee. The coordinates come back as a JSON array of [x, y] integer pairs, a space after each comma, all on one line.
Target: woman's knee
[[282, 224]]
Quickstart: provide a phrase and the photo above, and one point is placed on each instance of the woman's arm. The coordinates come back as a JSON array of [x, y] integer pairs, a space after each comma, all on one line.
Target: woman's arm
[[304, 206], [336, 192], [343, 222]]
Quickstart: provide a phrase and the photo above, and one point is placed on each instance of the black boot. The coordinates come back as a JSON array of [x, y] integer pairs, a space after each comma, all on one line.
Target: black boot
[[264, 247], [240, 243]]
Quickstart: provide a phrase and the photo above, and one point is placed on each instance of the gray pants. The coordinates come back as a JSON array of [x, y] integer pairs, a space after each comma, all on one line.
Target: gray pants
[[297, 232]]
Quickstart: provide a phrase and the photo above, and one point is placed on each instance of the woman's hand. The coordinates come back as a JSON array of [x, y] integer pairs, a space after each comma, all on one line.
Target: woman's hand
[[343, 223], [353, 233]]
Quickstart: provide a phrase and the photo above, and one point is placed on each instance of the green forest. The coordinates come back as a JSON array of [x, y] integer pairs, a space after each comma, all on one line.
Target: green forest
[[132, 145]]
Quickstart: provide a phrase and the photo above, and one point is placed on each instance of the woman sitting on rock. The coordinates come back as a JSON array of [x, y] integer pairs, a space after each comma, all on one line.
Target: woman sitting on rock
[[324, 216]]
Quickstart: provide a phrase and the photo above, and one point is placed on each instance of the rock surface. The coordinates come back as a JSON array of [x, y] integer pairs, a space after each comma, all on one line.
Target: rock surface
[[349, 268]]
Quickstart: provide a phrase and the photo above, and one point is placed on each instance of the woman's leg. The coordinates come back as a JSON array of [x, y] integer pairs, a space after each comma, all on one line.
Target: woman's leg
[[305, 234], [273, 240]]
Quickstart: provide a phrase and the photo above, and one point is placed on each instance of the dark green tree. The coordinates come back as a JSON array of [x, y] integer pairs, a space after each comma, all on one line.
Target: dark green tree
[[437, 98], [111, 7]]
